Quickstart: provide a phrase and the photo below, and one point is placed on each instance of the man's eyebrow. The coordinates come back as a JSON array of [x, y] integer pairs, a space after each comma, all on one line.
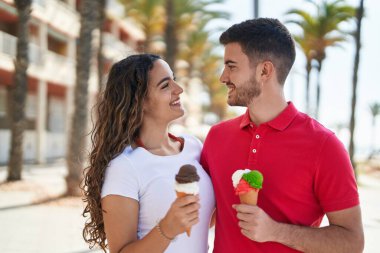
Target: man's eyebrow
[[163, 80], [230, 62]]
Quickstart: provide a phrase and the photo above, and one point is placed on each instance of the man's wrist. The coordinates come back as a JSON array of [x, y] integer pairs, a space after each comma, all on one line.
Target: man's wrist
[[278, 231], [287, 234]]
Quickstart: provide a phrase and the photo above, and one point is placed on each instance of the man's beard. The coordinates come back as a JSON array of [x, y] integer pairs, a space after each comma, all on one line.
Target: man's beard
[[245, 93]]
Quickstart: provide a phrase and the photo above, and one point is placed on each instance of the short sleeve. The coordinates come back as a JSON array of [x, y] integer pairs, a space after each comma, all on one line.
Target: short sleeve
[[121, 179], [335, 185], [199, 143], [204, 154]]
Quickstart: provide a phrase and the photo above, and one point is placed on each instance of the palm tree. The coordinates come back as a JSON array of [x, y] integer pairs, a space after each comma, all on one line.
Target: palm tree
[[323, 31], [102, 14], [198, 51], [305, 42], [18, 92], [183, 28], [75, 155], [149, 15], [375, 111], [171, 40], [357, 35], [212, 63], [197, 44], [183, 18], [255, 8], [330, 16]]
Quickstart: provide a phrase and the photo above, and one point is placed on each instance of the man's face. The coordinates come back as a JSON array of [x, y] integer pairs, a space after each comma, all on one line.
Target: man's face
[[239, 76]]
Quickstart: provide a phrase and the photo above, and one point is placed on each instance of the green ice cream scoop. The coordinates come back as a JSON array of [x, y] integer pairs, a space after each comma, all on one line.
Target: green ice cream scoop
[[254, 178]]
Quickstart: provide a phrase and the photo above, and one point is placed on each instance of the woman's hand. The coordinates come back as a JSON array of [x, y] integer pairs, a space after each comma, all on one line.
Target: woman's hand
[[183, 213]]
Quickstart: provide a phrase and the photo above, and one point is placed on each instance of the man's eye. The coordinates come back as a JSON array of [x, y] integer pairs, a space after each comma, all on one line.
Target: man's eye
[[165, 86]]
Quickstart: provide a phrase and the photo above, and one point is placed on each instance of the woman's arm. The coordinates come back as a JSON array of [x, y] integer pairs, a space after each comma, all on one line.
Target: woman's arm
[[213, 218], [120, 216]]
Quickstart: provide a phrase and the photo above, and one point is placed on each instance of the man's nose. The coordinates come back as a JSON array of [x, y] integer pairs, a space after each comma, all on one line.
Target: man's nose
[[223, 77]]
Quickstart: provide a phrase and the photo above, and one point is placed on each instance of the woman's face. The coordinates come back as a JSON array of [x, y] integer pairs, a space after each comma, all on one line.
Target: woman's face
[[163, 100]]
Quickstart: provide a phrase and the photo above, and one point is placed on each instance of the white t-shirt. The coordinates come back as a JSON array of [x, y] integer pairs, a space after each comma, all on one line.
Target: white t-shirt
[[149, 179]]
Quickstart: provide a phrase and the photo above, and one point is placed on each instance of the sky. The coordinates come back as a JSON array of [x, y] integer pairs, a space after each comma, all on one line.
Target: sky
[[337, 72]]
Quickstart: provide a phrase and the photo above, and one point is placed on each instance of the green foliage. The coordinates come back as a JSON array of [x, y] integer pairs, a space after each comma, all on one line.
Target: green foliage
[[323, 29], [319, 32], [193, 39]]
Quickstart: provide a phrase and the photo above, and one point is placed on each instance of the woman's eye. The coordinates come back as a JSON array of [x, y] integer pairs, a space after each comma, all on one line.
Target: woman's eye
[[165, 86]]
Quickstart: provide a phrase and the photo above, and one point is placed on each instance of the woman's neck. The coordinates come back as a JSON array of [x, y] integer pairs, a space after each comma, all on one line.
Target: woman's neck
[[155, 139]]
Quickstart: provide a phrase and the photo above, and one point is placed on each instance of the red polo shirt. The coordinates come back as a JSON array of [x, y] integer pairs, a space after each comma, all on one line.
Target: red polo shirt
[[307, 172]]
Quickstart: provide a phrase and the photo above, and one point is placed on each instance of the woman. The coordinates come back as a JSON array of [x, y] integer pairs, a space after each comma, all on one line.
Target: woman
[[129, 184]]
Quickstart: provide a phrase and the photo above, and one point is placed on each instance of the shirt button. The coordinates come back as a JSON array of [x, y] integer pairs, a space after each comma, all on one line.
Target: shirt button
[[257, 136], [254, 150]]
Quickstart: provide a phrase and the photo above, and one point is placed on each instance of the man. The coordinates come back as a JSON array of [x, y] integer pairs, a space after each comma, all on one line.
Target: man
[[307, 172]]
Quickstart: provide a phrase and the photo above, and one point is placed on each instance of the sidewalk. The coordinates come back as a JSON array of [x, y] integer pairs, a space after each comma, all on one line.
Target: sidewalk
[[49, 227], [29, 223]]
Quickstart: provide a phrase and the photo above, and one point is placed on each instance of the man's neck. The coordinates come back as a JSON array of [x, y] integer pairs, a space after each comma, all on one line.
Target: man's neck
[[262, 110]]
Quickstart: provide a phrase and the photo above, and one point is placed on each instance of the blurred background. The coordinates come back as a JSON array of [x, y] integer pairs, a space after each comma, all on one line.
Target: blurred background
[[54, 60]]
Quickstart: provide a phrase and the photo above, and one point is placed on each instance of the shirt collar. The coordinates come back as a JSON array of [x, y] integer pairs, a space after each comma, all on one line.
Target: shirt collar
[[246, 120], [281, 122]]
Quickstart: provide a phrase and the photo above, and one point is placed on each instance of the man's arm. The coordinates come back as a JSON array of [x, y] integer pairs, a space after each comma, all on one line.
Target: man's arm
[[344, 234]]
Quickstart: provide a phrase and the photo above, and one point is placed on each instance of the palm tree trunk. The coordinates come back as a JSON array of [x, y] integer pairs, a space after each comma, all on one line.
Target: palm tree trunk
[[101, 10], [357, 35], [255, 8], [373, 137], [307, 102], [318, 89], [170, 36], [75, 154], [18, 92]]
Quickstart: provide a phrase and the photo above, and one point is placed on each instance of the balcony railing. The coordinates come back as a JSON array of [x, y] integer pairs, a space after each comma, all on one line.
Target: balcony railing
[[58, 14], [114, 48], [51, 66], [58, 68], [8, 46]]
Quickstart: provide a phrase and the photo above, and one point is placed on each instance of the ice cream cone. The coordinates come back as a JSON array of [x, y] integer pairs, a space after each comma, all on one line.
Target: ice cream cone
[[186, 183], [247, 184], [180, 195], [249, 198]]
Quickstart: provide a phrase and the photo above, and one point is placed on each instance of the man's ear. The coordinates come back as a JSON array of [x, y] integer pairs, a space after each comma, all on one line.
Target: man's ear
[[266, 70]]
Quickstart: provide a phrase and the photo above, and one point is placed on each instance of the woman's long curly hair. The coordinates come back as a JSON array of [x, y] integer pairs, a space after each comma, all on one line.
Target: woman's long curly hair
[[119, 116]]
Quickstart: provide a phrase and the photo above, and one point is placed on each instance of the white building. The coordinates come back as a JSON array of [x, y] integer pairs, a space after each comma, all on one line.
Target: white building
[[54, 29]]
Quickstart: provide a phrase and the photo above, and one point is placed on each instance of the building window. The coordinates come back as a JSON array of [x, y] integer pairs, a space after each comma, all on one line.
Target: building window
[[4, 123], [31, 106], [56, 115], [3, 102]]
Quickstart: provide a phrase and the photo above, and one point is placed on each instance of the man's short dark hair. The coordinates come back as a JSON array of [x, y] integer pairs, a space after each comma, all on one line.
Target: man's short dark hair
[[264, 39]]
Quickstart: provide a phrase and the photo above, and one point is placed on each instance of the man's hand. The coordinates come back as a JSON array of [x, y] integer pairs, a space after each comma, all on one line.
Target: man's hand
[[255, 223], [344, 233]]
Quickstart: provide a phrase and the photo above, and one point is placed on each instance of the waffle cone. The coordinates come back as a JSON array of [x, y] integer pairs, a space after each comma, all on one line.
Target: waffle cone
[[180, 195], [249, 198]]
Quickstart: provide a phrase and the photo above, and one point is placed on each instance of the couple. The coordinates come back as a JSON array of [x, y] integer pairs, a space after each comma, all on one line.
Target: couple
[[307, 173]]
